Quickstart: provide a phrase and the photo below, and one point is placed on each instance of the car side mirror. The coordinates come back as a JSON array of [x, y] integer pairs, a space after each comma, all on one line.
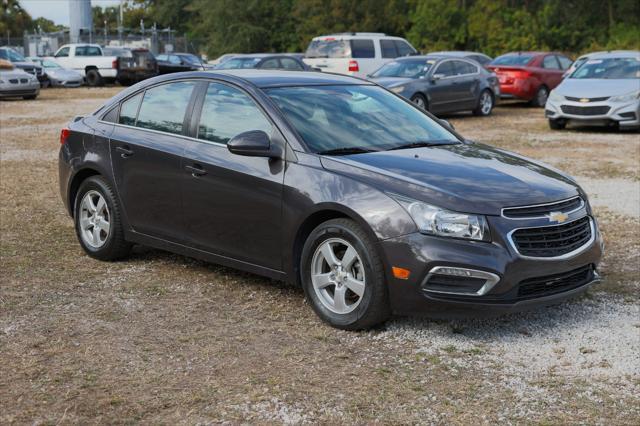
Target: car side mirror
[[254, 143], [446, 123], [437, 77]]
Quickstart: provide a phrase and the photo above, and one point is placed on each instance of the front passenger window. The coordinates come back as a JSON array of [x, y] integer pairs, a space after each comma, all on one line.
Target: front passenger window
[[227, 112], [446, 69]]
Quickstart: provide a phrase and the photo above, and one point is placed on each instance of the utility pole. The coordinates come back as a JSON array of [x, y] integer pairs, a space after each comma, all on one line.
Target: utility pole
[[120, 23]]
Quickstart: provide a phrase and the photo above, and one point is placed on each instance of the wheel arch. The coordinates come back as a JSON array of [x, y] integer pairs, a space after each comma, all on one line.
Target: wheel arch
[[323, 213], [79, 177]]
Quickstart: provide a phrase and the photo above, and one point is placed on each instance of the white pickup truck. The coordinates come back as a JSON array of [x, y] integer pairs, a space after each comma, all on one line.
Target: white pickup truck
[[89, 61]]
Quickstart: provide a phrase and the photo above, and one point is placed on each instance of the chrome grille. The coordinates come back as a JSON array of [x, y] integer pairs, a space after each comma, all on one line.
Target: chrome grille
[[543, 210], [569, 98], [586, 110], [553, 241]]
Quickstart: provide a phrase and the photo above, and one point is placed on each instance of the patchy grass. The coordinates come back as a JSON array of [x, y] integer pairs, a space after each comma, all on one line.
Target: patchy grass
[[161, 338]]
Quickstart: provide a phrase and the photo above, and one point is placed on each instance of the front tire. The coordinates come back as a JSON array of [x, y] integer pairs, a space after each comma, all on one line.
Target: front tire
[[420, 101], [29, 97], [343, 276], [485, 104], [557, 124], [98, 220]]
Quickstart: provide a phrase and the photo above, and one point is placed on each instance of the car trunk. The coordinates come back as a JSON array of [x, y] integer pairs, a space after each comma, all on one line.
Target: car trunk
[[509, 74], [141, 60]]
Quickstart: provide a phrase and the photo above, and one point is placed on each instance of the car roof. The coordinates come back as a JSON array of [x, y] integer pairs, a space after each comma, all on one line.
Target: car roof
[[460, 53], [279, 78], [352, 35], [613, 54]]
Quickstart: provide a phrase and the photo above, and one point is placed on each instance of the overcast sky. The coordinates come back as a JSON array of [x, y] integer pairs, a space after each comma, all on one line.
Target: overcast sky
[[57, 10]]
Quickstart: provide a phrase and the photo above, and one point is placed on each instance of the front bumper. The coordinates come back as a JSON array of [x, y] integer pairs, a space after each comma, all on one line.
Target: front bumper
[[8, 90], [71, 82], [421, 254], [625, 114]]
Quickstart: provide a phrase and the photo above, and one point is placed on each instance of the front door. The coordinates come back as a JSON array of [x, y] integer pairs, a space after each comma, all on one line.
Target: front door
[[232, 204], [443, 91], [146, 150]]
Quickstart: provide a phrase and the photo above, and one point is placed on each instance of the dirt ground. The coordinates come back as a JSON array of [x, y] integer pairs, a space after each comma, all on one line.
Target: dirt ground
[[161, 338]]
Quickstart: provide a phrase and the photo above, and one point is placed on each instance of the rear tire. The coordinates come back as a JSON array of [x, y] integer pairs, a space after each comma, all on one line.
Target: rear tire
[[540, 99], [332, 283], [94, 78], [98, 220], [557, 124], [485, 104]]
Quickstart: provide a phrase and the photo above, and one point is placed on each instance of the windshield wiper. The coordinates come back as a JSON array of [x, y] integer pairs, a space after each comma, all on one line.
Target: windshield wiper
[[423, 144], [347, 150]]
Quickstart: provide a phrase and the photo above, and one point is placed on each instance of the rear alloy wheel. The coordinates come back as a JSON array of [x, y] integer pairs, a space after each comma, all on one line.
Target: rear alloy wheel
[[485, 104], [343, 276], [540, 100], [557, 124], [97, 220], [420, 101], [94, 78]]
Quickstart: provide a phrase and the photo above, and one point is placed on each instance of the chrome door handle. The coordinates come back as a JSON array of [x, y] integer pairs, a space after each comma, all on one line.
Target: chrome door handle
[[196, 170], [124, 151]]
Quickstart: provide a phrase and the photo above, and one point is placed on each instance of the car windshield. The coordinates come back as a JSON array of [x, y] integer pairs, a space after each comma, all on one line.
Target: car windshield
[[190, 59], [50, 64], [11, 55], [512, 60], [356, 118], [610, 68], [235, 63], [408, 68], [328, 48]]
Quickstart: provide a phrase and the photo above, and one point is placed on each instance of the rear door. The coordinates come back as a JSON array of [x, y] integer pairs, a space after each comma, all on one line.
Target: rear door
[[466, 84], [146, 150], [551, 71], [232, 204]]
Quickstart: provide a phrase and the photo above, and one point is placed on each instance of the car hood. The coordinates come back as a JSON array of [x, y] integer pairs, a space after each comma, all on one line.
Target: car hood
[[15, 73], [392, 81], [596, 88], [471, 178], [27, 65], [61, 73]]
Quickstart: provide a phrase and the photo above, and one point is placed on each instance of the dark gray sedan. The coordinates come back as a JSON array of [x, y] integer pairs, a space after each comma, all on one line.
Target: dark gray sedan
[[441, 83], [330, 182]]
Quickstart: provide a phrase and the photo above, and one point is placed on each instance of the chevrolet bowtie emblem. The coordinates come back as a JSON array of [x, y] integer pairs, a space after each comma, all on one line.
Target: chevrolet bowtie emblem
[[584, 100], [557, 217]]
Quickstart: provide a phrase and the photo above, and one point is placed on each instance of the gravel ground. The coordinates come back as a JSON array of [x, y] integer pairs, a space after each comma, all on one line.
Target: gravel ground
[[161, 338], [618, 195]]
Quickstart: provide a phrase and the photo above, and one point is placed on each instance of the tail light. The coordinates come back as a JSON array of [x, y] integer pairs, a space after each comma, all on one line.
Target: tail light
[[520, 74], [114, 63], [64, 134], [353, 66]]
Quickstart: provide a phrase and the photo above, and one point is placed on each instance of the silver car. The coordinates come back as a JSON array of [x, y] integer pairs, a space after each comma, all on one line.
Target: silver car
[[58, 76], [603, 91], [16, 83]]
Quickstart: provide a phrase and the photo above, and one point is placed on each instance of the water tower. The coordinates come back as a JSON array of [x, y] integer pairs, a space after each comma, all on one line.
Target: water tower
[[80, 20]]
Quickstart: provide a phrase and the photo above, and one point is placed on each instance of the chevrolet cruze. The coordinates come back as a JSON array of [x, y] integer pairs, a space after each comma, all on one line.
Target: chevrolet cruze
[[367, 201]]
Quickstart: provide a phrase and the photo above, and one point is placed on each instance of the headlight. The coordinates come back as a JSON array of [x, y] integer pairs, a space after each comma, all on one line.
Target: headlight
[[555, 97], [397, 89], [626, 98], [445, 223]]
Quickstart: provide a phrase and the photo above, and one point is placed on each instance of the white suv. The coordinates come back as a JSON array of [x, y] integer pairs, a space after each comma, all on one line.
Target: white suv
[[356, 54]]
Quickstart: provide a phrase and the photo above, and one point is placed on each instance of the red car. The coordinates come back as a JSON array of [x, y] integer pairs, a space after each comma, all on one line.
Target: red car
[[529, 76]]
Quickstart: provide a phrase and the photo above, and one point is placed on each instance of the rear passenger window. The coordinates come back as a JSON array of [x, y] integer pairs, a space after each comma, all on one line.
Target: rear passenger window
[[565, 62], [404, 49], [463, 68], [227, 112], [362, 49], [129, 110], [163, 107], [388, 48], [550, 62]]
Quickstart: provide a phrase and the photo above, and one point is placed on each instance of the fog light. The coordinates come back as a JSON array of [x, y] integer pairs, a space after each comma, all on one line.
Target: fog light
[[460, 281]]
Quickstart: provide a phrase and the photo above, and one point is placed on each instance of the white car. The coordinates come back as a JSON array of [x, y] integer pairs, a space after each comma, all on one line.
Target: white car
[[58, 76], [89, 61], [603, 91], [356, 54], [15, 82]]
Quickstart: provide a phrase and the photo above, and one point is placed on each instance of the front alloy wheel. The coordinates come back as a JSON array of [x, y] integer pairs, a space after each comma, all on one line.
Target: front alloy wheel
[[338, 276], [343, 276]]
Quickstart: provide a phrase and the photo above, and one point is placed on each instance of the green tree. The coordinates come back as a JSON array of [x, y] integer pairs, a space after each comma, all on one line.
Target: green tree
[[14, 20]]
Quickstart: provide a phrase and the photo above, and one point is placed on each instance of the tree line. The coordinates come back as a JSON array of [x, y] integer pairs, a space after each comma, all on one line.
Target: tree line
[[489, 26]]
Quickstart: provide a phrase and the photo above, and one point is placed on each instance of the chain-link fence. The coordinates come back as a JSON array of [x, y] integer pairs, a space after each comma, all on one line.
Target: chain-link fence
[[157, 41]]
